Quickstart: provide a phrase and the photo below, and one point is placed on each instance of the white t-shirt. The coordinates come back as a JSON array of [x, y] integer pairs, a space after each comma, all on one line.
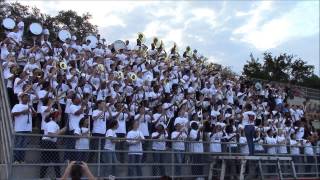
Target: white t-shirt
[[159, 145], [144, 122], [294, 147], [215, 142], [99, 125], [245, 120], [74, 119], [196, 147], [109, 144], [122, 118], [50, 127], [258, 144], [82, 142], [270, 148], [180, 144], [244, 148], [22, 122], [281, 149], [134, 136], [300, 133], [182, 121], [308, 149]]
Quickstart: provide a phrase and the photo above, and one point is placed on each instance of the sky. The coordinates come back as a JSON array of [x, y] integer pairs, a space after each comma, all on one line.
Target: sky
[[224, 31]]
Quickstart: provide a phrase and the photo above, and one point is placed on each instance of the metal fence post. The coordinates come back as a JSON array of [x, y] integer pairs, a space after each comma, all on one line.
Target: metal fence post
[[172, 162], [99, 163]]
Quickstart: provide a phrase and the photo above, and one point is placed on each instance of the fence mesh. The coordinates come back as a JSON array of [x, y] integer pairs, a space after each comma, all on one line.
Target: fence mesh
[[38, 158]]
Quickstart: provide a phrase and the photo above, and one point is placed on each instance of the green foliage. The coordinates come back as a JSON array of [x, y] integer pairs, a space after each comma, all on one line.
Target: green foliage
[[282, 68], [78, 25]]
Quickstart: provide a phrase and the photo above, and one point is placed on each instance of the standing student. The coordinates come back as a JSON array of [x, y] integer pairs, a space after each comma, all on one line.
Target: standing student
[[82, 143], [295, 151], [100, 118], [178, 146], [22, 115], [122, 116], [248, 122], [271, 148], [281, 140], [196, 134], [215, 139], [144, 120], [110, 145], [51, 128], [76, 114], [135, 153], [244, 149], [159, 146]]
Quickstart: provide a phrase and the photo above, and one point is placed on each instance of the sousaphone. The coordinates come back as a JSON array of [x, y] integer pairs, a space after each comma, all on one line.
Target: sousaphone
[[8, 23]]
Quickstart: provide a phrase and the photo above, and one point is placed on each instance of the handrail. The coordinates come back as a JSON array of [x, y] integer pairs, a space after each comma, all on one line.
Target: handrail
[[150, 140], [5, 128], [306, 92]]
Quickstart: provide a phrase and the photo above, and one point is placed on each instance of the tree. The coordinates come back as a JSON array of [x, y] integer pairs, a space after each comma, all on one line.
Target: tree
[[300, 71], [78, 25], [283, 68], [253, 68]]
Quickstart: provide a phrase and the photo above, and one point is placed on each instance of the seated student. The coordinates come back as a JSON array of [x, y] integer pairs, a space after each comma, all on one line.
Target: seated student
[[178, 146], [159, 146], [135, 153], [82, 143], [110, 143]]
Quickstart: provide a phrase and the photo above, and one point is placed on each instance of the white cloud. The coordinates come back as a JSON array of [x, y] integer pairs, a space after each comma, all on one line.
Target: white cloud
[[299, 22]]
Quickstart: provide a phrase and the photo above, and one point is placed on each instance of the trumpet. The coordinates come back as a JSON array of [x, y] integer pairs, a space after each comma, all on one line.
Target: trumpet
[[133, 76]]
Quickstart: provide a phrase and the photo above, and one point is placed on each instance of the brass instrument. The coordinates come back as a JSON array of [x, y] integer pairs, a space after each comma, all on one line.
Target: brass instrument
[[63, 65], [141, 37], [156, 42], [119, 74], [133, 76], [100, 68], [188, 51]]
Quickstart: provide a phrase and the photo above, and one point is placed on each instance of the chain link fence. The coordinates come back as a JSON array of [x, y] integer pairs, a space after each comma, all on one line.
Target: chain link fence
[[37, 158]]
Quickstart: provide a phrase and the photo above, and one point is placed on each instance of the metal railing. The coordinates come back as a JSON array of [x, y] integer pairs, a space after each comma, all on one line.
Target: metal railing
[[5, 131], [153, 164], [299, 91]]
